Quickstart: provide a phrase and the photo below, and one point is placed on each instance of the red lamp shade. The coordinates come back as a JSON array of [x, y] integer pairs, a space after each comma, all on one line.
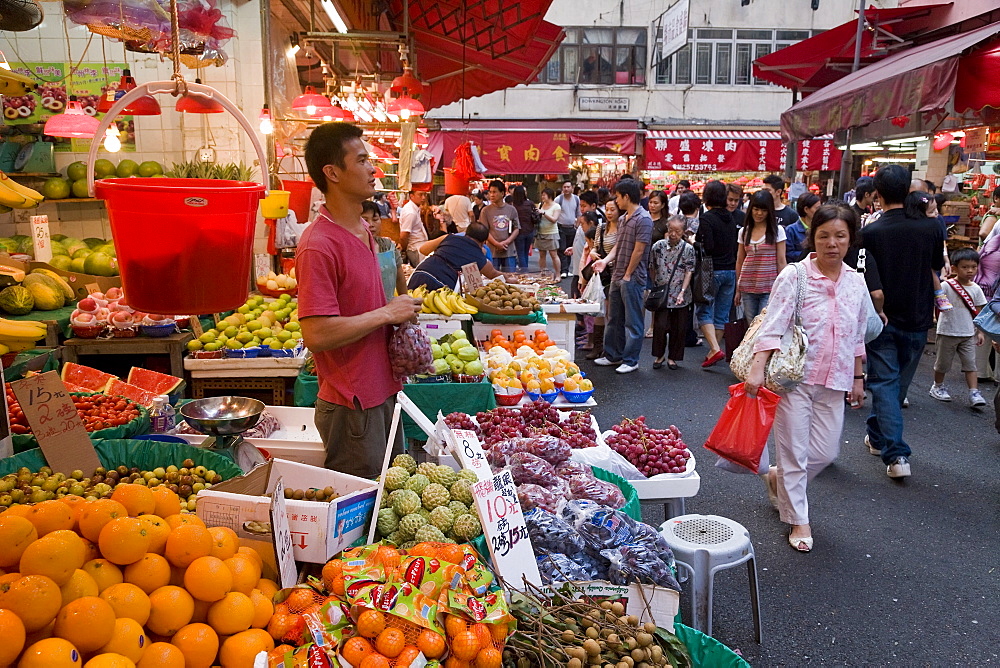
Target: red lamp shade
[[73, 122], [198, 104], [107, 101], [942, 141], [312, 102], [407, 84], [409, 107], [144, 106]]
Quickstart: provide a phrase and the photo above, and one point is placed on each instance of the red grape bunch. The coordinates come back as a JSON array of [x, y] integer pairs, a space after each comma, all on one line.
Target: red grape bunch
[[499, 424], [462, 421], [652, 451]]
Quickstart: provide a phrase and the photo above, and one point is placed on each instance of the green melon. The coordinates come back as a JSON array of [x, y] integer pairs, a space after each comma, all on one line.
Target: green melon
[[94, 242], [100, 264], [48, 294], [8, 245], [76, 265], [16, 300], [61, 262], [59, 249]]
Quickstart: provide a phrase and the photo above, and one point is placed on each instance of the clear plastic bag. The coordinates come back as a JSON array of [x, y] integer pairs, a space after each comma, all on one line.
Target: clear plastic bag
[[527, 468], [560, 568], [553, 450], [601, 527], [410, 351], [570, 468], [550, 533], [598, 491], [639, 564], [501, 451], [536, 496]]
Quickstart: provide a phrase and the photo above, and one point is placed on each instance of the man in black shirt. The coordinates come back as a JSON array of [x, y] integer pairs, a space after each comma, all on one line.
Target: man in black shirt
[[906, 251], [775, 185], [864, 196]]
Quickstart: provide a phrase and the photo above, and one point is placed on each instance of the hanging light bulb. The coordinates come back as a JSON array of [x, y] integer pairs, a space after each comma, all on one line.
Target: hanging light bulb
[[266, 122], [112, 141], [311, 102]]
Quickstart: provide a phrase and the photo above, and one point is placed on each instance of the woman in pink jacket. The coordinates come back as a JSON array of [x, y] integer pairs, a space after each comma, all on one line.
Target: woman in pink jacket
[[809, 419]]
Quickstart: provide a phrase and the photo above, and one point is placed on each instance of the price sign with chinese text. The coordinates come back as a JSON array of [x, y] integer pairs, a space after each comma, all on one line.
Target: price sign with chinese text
[[468, 451], [287, 573], [472, 278], [506, 531], [54, 421], [40, 238]]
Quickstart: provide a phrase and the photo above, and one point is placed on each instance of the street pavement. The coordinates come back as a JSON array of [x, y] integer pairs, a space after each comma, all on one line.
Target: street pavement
[[901, 574]]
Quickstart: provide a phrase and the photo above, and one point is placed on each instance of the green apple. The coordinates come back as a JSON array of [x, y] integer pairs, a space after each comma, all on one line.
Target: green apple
[[436, 351], [474, 368], [441, 367]]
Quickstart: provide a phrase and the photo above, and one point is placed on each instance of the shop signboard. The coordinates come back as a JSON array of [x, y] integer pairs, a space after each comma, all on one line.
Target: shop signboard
[[976, 140], [738, 155], [603, 103], [673, 28], [524, 152], [993, 144]]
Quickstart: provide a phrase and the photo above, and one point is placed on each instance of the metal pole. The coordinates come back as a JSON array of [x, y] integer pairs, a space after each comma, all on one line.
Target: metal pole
[[846, 166], [791, 151]]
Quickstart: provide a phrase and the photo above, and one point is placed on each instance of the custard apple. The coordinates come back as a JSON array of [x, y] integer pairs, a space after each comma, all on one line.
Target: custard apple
[[428, 534], [466, 527], [458, 508], [395, 478], [408, 525], [417, 482], [443, 475], [407, 462], [407, 502], [468, 474], [423, 512], [442, 518], [387, 521], [427, 468], [461, 490], [397, 537], [408, 545], [435, 495]]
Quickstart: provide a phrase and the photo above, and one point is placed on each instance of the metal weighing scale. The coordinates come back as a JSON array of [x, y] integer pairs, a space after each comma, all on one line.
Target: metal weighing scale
[[224, 419]]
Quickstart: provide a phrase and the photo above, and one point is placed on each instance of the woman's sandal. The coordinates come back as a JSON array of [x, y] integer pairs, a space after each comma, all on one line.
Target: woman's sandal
[[801, 544]]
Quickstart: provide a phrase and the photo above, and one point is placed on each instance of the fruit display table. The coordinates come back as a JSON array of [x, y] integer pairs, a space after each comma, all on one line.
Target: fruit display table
[[445, 397], [669, 490], [260, 374], [173, 345], [57, 323], [562, 323]]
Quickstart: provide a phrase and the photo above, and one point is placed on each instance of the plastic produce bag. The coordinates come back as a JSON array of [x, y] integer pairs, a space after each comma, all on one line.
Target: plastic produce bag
[[550, 533], [594, 292], [560, 568], [572, 468], [742, 430], [536, 496], [410, 351], [598, 491], [600, 527], [550, 448], [527, 468], [603, 457], [639, 564]]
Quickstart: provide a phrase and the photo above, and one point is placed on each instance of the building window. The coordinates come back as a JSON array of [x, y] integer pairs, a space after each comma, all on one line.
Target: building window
[[600, 56], [723, 57]]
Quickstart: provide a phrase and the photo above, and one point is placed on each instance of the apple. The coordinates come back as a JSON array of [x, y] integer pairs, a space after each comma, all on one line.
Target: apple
[[100, 296], [121, 318], [88, 305], [474, 368], [80, 318], [156, 316], [113, 293]]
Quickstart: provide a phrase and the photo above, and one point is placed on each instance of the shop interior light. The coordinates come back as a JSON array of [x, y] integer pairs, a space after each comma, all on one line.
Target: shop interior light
[[73, 122], [143, 106], [198, 104], [312, 103], [266, 122], [908, 140], [112, 140], [407, 84], [107, 101], [408, 107], [334, 14]]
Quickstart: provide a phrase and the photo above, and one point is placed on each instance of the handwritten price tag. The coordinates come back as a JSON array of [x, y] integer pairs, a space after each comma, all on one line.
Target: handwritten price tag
[[287, 573], [40, 238], [505, 529], [54, 421], [468, 451]]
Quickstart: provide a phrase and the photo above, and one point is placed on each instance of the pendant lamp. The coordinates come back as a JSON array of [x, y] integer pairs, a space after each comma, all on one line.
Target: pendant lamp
[[143, 106], [197, 104], [405, 107], [107, 101], [407, 84], [73, 122], [312, 103]]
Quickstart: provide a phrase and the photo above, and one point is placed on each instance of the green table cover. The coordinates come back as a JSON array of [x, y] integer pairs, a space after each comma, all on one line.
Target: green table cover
[[445, 397], [533, 318], [61, 316]]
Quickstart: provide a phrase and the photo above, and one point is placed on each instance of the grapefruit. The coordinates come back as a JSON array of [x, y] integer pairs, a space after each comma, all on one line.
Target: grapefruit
[[80, 188], [61, 262], [104, 168], [84, 376], [100, 264], [77, 171], [150, 168], [153, 381], [126, 168], [76, 264], [56, 188], [140, 396]]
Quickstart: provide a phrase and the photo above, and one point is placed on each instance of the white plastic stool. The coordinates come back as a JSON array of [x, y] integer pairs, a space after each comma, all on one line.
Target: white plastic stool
[[704, 544]]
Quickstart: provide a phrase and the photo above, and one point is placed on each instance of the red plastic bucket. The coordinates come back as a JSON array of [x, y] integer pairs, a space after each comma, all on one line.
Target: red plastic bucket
[[184, 245], [454, 185], [300, 198]]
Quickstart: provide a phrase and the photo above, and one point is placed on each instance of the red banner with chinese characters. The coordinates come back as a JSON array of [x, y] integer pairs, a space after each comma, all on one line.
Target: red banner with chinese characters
[[738, 155], [524, 152]]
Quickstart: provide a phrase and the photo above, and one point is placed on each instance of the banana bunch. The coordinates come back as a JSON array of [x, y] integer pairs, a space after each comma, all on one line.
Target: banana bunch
[[16, 196], [18, 335], [443, 300]]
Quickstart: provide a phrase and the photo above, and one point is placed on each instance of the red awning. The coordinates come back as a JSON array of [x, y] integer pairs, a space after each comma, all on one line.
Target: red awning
[[919, 79], [467, 49], [818, 61], [722, 151], [978, 85]]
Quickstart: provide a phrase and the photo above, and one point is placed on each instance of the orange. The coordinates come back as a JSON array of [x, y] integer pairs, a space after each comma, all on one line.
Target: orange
[[51, 653], [149, 573], [104, 573], [76, 505], [137, 499], [158, 530], [55, 558], [166, 502], [371, 623], [128, 639], [161, 655], [390, 642], [174, 521], [87, 622], [98, 513], [301, 599], [339, 586], [332, 570], [171, 609], [13, 634], [406, 657], [124, 540], [285, 625], [277, 655], [208, 579], [267, 587], [80, 584], [262, 609], [245, 572], [225, 542], [499, 632], [453, 625], [234, 613], [36, 599], [49, 516], [375, 660], [200, 611], [453, 554], [252, 554], [109, 661], [239, 650], [127, 600], [355, 650], [186, 543], [454, 662], [489, 657], [431, 644], [91, 550], [388, 556], [482, 632], [199, 643], [16, 534], [465, 646]]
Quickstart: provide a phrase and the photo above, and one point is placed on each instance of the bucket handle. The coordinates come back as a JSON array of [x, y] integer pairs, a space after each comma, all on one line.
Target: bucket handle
[[158, 88]]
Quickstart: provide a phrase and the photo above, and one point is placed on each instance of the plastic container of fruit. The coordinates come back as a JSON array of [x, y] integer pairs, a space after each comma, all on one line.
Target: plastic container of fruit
[[281, 352], [577, 397], [124, 332], [428, 379], [88, 331], [547, 396], [466, 378], [242, 353], [264, 290], [206, 354], [158, 331], [509, 399]]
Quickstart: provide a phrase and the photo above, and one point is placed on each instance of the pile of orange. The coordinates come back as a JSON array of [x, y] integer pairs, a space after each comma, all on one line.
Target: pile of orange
[[472, 644], [127, 582], [384, 641], [539, 342]]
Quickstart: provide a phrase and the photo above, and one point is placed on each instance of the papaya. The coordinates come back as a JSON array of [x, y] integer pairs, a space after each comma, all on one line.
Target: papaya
[[48, 294], [67, 290]]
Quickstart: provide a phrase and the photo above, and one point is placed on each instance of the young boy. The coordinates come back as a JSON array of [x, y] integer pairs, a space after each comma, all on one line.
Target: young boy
[[956, 332]]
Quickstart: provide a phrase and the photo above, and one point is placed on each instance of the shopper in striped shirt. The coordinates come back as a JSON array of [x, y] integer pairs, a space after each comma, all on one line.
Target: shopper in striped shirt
[[760, 256]]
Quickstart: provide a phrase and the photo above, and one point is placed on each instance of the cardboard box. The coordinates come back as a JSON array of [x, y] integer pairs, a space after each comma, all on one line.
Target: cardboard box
[[76, 281], [647, 602], [319, 530]]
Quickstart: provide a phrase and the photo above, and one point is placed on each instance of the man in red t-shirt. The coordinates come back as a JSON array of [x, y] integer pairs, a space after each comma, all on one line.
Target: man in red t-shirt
[[346, 322]]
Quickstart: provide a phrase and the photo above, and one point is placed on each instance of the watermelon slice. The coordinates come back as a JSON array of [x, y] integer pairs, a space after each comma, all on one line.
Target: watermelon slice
[[153, 381], [92, 380], [119, 388], [70, 387]]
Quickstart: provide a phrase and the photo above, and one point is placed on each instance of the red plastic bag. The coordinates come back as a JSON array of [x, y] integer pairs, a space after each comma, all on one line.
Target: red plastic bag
[[742, 430]]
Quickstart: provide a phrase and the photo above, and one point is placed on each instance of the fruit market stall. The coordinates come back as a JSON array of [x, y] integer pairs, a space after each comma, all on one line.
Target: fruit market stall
[[172, 346]]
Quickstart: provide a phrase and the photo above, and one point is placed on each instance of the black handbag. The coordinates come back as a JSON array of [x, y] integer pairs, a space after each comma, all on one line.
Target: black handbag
[[703, 282]]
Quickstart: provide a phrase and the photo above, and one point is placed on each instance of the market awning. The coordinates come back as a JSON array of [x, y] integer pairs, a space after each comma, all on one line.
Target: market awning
[[916, 80], [531, 146], [734, 151], [467, 49], [818, 61], [978, 83]]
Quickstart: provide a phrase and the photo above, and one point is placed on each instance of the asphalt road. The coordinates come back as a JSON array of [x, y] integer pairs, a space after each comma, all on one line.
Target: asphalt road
[[901, 574]]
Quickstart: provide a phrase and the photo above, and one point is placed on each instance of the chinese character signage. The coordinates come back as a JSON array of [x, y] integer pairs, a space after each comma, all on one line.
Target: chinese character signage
[[524, 152], [738, 155], [505, 529]]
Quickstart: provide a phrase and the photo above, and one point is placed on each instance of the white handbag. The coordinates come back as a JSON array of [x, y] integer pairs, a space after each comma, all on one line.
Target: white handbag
[[786, 367]]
